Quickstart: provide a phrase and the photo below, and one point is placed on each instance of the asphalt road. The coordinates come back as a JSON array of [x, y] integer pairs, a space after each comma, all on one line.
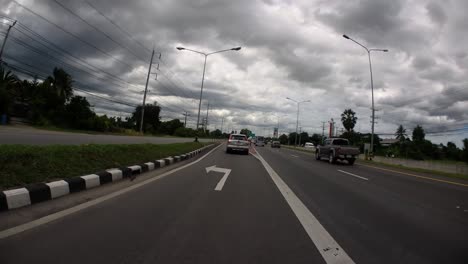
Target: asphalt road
[[181, 218], [33, 136]]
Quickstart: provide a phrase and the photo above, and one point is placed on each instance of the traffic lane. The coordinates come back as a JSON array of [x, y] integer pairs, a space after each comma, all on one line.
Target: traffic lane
[[32, 136], [177, 219], [372, 224], [444, 196], [249, 221], [447, 198]]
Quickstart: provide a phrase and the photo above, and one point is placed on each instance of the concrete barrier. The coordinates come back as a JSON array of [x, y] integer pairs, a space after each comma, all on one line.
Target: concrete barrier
[[17, 198], [58, 188], [150, 165], [91, 180]]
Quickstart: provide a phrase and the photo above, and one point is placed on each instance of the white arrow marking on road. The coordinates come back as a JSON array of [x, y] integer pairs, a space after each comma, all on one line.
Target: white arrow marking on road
[[226, 172]]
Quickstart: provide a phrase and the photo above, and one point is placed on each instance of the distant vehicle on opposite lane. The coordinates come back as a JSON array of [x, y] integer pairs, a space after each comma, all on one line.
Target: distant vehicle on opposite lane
[[275, 144], [238, 142], [337, 149], [310, 146]]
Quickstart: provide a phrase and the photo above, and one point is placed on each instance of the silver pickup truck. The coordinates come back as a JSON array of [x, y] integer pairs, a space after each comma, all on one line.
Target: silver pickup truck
[[337, 149]]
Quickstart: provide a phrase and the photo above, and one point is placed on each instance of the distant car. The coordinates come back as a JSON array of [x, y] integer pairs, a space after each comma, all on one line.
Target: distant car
[[238, 142], [275, 144], [260, 142], [310, 146]]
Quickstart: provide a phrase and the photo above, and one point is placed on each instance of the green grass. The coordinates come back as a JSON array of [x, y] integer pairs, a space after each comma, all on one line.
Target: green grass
[[24, 164], [298, 149], [435, 172]]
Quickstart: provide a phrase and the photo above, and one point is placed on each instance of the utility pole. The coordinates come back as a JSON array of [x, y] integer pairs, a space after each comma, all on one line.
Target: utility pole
[[5, 39], [222, 124], [185, 115], [146, 90], [323, 131]]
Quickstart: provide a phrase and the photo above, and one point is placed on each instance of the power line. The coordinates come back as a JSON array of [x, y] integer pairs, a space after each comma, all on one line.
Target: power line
[[34, 74], [117, 26], [72, 34], [132, 38], [95, 28], [38, 38]]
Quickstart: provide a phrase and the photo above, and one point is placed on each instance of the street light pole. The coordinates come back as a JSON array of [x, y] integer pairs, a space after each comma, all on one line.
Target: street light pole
[[372, 89], [297, 118], [203, 76], [201, 92]]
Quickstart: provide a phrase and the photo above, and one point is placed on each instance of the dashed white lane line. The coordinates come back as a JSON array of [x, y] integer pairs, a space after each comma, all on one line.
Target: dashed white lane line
[[294, 156], [326, 245], [354, 175]]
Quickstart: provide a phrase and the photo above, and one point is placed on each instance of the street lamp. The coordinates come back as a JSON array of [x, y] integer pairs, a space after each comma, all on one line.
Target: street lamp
[[372, 89], [203, 77], [297, 119]]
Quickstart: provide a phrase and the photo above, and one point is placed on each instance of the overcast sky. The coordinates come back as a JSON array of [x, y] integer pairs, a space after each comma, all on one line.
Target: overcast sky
[[289, 49]]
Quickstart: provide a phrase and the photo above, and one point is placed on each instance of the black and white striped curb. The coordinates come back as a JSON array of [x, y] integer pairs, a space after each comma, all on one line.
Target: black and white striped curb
[[39, 192]]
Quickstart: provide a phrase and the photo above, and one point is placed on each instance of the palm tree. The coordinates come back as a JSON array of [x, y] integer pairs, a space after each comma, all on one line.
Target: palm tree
[[348, 119], [7, 82], [62, 82], [7, 79], [400, 133]]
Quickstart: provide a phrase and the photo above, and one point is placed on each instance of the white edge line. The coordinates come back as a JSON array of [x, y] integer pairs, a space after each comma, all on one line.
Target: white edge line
[[326, 245], [354, 175], [49, 218]]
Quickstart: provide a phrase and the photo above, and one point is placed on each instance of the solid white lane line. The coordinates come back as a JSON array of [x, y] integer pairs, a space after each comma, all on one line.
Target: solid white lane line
[[295, 156], [326, 245], [354, 175], [52, 217]]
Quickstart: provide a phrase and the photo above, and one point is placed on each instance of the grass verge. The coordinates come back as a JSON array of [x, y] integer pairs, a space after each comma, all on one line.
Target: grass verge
[[25, 164], [435, 172], [298, 149]]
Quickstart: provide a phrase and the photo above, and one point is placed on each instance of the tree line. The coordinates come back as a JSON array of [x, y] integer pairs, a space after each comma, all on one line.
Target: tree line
[[52, 102], [415, 147]]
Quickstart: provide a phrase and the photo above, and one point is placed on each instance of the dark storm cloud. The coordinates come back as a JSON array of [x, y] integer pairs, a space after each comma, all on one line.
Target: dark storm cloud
[[379, 22], [289, 48], [423, 62], [436, 12]]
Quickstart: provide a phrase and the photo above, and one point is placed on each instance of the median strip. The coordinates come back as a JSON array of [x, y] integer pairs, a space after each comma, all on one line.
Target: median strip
[[39, 192]]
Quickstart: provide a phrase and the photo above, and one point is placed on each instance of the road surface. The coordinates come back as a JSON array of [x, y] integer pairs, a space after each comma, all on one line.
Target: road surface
[[33, 136], [372, 216]]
